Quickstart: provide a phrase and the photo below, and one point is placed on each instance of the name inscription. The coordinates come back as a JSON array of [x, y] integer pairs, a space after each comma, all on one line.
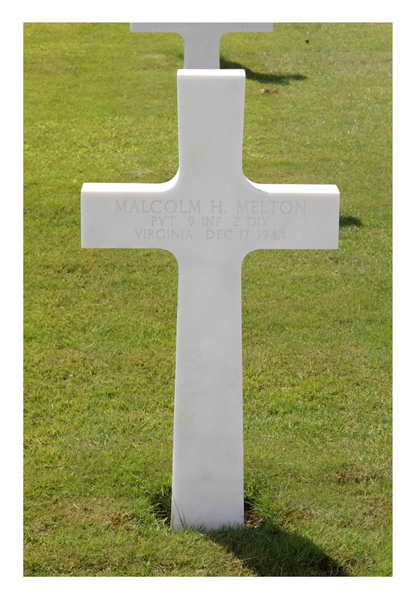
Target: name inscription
[[157, 206], [180, 219]]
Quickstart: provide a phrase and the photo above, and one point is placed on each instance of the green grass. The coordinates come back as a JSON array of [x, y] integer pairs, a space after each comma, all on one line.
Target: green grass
[[100, 105]]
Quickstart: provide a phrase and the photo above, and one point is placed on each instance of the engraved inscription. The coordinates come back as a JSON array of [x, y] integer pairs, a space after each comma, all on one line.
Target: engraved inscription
[[219, 234], [263, 219], [267, 207], [163, 234], [157, 206]]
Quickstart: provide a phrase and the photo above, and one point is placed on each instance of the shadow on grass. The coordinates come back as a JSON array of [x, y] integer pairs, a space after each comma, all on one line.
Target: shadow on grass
[[262, 77], [349, 221], [262, 546]]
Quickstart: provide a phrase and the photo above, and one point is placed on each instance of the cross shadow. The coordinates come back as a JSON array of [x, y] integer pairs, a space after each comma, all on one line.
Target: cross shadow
[[270, 551], [262, 77], [349, 221], [262, 546]]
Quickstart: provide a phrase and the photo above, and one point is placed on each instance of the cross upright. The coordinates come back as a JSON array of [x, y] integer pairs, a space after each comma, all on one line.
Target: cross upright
[[201, 40], [209, 216]]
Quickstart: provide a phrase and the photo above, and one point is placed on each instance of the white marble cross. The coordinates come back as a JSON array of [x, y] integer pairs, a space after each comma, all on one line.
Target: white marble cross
[[209, 216], [201, 40]]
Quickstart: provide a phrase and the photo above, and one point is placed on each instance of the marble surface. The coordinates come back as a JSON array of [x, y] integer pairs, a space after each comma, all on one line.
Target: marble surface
[[209, 216], [201, 40]]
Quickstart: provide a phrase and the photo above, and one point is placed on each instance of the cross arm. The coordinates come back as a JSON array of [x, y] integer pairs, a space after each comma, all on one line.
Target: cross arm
[[127, 215], [184, 28], [289, 216], [201, 40]]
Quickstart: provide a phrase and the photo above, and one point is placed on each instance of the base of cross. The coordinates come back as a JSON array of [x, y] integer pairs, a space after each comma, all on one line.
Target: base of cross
[[209, 216]]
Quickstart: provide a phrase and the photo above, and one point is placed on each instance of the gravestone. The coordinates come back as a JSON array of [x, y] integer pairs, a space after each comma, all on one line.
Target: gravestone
[[209, 216], [201, 40]]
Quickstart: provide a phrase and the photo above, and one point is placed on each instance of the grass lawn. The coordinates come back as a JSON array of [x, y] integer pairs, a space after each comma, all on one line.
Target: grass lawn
[[100, 105]]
